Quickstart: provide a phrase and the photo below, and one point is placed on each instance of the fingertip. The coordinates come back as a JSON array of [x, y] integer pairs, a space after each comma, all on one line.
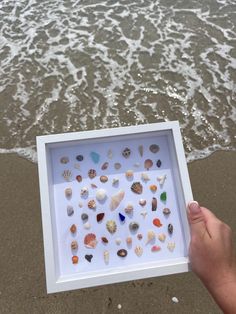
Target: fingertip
[[194, 207]]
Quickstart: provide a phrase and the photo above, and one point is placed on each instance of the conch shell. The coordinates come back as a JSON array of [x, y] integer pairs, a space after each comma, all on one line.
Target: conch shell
[[116, 199]]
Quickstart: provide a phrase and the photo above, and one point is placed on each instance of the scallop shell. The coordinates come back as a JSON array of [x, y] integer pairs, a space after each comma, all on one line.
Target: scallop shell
[[116, 199], [129, 209], [106, 256], [148, 164], [171, 246], [92, 204], [111, 226], [68, 192], [92, 173], [138, 250], [126, 152], [137, 188], [129, 174], [101, 195], [154, 148], [150, 236], [161, 180], [103, 179], [145, 177], [90, 241], [67, 175], [140, 149], [105, 165], [64, 160]]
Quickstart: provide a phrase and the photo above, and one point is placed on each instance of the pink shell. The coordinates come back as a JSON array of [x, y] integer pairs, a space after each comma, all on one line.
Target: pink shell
[[90, 240], [155, 248]]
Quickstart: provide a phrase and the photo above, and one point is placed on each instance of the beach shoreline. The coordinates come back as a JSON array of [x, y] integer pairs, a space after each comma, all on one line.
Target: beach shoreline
[[23, 287]]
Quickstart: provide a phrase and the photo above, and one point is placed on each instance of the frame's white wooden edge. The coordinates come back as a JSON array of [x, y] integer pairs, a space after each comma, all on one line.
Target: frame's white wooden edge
[[56, 285], [175, 266]]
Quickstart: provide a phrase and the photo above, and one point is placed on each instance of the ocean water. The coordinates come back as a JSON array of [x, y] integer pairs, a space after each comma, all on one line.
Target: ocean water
[[89, 64]]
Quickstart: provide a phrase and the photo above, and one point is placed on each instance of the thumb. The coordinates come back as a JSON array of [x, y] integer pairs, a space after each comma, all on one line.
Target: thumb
[[196, 219]]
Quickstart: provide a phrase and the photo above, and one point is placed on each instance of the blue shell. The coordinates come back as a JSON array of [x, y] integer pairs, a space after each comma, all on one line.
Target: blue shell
[[95, 157], [122, 217]]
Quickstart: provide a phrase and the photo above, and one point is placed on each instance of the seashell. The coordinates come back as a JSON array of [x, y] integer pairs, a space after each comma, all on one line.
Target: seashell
[[68, 192], [154, 204], [171, 246], [84, 192], [148, 164], [155, 248], [154, 148], [88, 257], [140, 149], [161, 180], [64, 160], [138, 250], [111, 226], [118, 241], [137, 165], [84, 217], [79, 178], [80, 157], [129, 209], [116, 199], [95, 157], [106, 257], [122, 217], [105, 165], [153, 188], [101, 195], [75, 259], [142, 202], [70, 210], [163, 196], [150, 236], [126, 152], [91, 204], [129, 240], [104, 240], [100, 217], [139, 236], [162, 237], [145, 177], [92, 173], [158, 163], [77, 166], [166, 211], [137, 188], [144, 213], [117, 165], [115, 181], [129, 174], [73, 228], [87, 225], [80, 204], [90, 241], [103, 179], [157, 222], [133, 226], [110, 154], [67, 175], [74, 245], [93, 186], [170, 228], [122, 253]]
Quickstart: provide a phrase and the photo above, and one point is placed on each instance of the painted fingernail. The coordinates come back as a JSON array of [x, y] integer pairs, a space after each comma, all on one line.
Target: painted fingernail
[[194, 207]]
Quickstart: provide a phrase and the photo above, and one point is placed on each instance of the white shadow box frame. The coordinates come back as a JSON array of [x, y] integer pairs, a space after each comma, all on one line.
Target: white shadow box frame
[[61, 273]]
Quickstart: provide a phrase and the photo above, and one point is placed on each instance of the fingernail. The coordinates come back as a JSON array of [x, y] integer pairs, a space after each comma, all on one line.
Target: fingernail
[[194, 207]]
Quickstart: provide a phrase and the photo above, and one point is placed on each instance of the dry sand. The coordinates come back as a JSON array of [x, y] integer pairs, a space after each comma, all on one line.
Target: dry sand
[[22, 284]]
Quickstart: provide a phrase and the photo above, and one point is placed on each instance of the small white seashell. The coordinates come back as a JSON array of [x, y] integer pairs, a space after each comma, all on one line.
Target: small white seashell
[[106, 257], [87, 225], [137, 165], [77, 166], [129, 174], [84, 191], [145, 177], [161, 180], [171, 246], [118, 241], [101, 195], [144, 213], [138, 250], [80, 204], [110, 154], [116, 199], [67, 175], [175, 300], [150, 236]]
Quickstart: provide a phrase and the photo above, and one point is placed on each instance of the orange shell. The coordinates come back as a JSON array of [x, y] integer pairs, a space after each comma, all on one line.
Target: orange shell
[[73, 228], [157, 222], [75, 259], [90, 240], [153, 188]]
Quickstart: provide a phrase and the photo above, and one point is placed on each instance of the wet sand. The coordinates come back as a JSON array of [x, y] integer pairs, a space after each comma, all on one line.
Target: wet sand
[[22, 284]]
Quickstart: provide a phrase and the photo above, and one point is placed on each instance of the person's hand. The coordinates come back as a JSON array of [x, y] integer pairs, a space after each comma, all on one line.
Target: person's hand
[[212, 256]]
